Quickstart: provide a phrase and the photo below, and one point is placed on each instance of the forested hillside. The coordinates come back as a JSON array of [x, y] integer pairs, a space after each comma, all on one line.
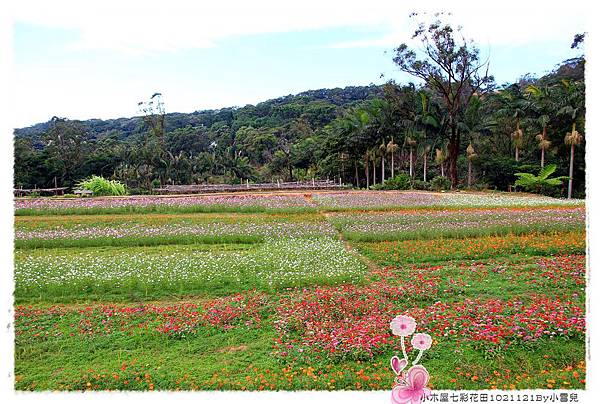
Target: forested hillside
[[193, 140], [478, 137], [323, 102]]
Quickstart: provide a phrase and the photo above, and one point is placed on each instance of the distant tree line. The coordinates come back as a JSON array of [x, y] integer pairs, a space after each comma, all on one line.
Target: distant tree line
[[457, 123]]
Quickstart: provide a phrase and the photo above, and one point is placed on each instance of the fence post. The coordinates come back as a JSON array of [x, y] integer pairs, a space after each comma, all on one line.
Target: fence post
[[340, 181], [278, 186], [247, 183], [313, 182]]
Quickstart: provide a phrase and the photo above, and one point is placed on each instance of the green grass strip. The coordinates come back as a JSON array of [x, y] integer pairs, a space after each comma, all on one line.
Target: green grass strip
[[429, 234]]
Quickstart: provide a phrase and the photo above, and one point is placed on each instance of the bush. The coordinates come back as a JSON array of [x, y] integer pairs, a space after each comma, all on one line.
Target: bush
[[102, 187], [421, 185], [499, 172], [481, 186], [399, 182], [529, 168], [542, 183], [155, 183], [440, 183]]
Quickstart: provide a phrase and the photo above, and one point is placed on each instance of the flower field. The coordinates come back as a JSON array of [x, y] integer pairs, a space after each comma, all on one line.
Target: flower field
[[301, 300], [393, 200], [180, 204], [173, 270], [456, 223], [156, 229]]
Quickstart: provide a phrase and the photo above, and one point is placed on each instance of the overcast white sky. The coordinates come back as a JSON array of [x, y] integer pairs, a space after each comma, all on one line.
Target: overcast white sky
[[97, 59]]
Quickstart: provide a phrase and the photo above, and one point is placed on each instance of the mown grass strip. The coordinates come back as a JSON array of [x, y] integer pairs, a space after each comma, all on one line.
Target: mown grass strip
[[399, 208], [136, 241], [158, 219], [429, 234]]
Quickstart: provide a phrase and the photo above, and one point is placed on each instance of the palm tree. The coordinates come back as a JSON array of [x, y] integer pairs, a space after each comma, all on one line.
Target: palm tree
[[373, 156], [424, 150], [543, 143], [392, 148], [440, 158], [471, 155], [343, 157], [543, 105], [382, 153], [411, 144], [351, 131], [573, 106], [572, 139], [367, 155], [515, 105], [475, 123], [517, 137]]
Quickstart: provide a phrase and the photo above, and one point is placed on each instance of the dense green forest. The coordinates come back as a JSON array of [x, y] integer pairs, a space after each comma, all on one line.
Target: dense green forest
[[456, 123]]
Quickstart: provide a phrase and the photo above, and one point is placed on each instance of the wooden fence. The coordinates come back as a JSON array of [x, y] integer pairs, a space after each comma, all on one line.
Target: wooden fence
[[40, 191], [248, 186]]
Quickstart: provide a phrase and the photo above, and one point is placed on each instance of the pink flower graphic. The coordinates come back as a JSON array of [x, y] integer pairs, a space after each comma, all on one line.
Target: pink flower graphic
[[410, 387], [398, 364], [413, 390], [403, 326], [421, 341]]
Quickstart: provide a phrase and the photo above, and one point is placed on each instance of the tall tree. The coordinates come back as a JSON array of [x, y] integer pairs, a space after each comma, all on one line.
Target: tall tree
[[424, 152], [411, 143], [515, 105], [154, 116], [471, 155], [573, 102], [66, 143], [451, 66], [572, 139], [383, 153], [440, 158], [543, 106], [543, 142], [392, 148], [374, 157], [153, 149]]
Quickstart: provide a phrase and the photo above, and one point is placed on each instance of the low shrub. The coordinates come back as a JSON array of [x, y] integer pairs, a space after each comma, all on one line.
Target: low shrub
[[102, 187], [399, 182], [481, 186], [440, 183], [421, 185]]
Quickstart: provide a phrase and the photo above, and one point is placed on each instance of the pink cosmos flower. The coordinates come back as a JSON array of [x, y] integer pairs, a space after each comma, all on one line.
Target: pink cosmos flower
[[421, 341], [403, 326]]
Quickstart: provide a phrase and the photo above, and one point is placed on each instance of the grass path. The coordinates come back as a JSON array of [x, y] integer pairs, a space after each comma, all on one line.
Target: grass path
[[373, 267]]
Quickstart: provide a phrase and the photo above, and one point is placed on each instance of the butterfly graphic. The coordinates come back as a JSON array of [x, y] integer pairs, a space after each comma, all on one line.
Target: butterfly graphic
[[410, 388]]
